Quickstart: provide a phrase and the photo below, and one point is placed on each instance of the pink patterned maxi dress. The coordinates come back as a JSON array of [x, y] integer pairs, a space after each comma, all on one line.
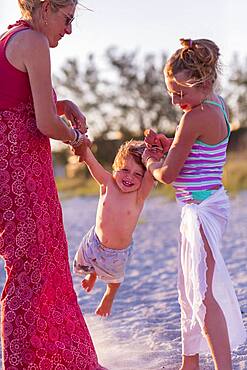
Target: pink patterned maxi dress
[[42, 324]]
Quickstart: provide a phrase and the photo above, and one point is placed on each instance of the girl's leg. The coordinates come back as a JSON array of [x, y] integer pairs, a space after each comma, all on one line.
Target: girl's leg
[[190, 362], [215, 323], [191, 337], [104, 308]]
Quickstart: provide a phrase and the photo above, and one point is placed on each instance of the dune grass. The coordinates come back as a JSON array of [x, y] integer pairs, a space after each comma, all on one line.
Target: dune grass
[[235, 172], [76, 187]]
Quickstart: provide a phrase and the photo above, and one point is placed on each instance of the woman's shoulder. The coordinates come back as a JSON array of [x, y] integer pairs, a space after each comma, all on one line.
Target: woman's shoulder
[[30, 46], [31, 38]]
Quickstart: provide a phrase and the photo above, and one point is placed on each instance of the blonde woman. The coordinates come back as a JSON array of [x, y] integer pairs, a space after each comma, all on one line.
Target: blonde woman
[[42, 325]]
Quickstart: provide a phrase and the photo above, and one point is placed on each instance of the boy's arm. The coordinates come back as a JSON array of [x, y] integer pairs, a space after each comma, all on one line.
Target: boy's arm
[[147, 185], [95, 168]]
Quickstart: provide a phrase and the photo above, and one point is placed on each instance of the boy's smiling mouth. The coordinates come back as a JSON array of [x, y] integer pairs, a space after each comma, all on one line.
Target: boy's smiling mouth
[[127, 183]]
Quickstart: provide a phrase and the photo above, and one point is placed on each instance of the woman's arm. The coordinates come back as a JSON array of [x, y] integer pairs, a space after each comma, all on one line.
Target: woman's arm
[[37, 64]]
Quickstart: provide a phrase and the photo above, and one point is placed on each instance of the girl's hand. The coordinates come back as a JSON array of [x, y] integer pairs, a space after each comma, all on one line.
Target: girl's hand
[[158, 141], [152, 153], [75, 116]]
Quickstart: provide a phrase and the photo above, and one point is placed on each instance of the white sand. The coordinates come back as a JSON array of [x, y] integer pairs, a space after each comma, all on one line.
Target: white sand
[[143, 332]]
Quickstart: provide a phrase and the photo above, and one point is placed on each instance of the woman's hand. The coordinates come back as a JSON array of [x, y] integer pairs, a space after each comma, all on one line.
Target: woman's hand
[[75, 116]]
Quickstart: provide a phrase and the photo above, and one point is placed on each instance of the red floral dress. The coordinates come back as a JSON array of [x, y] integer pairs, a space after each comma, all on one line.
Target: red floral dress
[[42, 324]]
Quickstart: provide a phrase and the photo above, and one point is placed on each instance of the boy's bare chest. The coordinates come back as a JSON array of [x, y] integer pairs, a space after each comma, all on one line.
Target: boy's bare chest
[[119, 205]]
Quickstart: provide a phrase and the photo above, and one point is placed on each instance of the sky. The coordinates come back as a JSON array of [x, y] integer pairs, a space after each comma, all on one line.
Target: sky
[[148, 26]]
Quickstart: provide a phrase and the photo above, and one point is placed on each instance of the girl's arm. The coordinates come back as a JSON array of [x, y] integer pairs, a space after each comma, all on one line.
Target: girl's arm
[[37, 64], [158, 141], [185, 136], [95, 168]]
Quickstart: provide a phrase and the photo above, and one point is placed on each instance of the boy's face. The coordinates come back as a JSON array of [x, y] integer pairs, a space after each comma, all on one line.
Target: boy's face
[[129, 177]]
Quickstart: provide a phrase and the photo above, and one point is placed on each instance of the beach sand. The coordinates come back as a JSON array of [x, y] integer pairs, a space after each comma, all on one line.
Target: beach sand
[[143, 331]]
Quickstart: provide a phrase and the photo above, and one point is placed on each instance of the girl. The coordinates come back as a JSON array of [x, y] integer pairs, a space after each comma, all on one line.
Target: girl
[[210, 314]]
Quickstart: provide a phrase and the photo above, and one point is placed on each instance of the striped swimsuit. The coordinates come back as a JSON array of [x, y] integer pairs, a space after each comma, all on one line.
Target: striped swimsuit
[[202, 172]]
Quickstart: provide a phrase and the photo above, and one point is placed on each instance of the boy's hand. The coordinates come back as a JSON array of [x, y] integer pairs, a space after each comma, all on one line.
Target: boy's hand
[[156, 141], [82, 149]]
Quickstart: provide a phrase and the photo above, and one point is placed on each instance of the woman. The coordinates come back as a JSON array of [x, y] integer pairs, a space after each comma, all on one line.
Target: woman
[[42, 325]]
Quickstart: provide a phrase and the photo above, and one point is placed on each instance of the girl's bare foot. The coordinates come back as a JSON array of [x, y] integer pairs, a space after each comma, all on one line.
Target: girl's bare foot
[[88, 282]]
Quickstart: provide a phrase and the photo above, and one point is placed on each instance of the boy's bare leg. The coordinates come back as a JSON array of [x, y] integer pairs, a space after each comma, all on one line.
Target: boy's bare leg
[[88, 282], [215, 323], [190, 362], [104, 308]]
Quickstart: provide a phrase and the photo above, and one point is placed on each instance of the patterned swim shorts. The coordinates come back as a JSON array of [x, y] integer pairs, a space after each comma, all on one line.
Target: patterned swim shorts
[[109, 264]]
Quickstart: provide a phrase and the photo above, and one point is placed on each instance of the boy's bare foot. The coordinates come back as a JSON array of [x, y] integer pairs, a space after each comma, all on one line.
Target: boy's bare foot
[[88, 282], [104, 308]]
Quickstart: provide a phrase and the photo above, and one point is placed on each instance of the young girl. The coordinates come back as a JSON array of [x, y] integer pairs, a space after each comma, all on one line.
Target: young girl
[[210, 314]]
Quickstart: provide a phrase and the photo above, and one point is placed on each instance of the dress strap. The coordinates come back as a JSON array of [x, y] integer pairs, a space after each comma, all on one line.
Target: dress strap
[[20, 22]]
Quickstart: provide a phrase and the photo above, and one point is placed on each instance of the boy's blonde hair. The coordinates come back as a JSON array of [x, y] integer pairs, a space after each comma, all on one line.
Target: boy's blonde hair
[[199, 59], [132, 148]]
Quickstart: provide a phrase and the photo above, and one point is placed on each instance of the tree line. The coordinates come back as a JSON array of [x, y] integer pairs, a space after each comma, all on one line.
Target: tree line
[[124, 93]]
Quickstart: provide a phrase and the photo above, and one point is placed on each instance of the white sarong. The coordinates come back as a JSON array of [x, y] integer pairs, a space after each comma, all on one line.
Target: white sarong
[[212, 215]]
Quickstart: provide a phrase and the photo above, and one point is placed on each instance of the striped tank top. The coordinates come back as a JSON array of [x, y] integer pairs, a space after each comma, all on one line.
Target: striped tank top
[[203, 169]]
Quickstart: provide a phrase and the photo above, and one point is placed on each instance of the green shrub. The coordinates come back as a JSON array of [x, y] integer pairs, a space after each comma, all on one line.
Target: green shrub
[[235, 172]]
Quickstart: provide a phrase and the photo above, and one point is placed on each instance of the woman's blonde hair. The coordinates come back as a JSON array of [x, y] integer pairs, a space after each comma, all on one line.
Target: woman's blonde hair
[[27, 7], [132, 148], [199, 59]]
